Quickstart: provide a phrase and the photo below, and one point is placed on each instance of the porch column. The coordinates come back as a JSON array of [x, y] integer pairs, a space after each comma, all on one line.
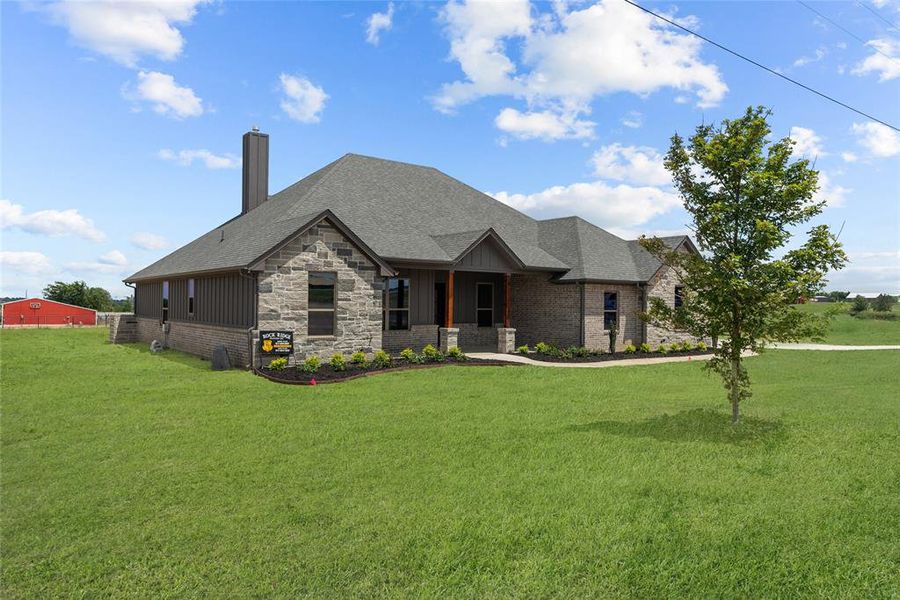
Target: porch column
[[448, 335], [506, 335], [448, 317]]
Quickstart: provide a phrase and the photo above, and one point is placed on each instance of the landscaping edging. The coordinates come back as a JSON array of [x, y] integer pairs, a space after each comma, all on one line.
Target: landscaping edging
[[357, 373], [605, 357]]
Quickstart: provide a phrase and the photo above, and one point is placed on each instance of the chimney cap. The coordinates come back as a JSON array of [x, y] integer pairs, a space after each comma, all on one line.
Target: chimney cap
[[255, 129]]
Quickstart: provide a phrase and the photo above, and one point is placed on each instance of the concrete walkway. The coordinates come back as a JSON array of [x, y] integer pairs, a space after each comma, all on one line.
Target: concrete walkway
[[628, 362], [829, 347]]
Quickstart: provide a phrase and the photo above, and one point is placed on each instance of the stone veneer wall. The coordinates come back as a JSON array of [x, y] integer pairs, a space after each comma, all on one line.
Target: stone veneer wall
[[472, 336], [416, 337], [123, 328], [542, 311], [283, 293], [197, 338], [629, 305]]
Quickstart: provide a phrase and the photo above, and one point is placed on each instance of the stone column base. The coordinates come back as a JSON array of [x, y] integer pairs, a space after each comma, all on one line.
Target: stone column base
[[448, 337], [506, 340]]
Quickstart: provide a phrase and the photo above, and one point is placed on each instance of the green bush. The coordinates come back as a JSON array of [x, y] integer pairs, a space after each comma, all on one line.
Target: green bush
[[663, 349], [454, 353], [338, 362], [523, 350], [701, 345], [311, 364], [432, 354], [278, 364], [675, 347], [879, 315], [382, 359], [542, 348], [645, 348], [408, 354], [358, 358], [686, 345], [883, 303], [859, 305], [579, 351], [630, 349]]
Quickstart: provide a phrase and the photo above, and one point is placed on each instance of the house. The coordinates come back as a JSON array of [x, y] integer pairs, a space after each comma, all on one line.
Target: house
[[40, 312], [367, 253]]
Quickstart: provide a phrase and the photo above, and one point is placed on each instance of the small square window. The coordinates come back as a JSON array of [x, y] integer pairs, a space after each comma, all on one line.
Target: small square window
[[679, 296]]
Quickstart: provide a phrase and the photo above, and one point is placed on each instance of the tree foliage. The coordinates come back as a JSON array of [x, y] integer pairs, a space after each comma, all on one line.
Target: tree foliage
[[746, 198], [78, 293]]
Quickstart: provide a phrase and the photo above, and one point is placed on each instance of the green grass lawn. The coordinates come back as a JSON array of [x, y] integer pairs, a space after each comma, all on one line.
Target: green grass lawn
[[846, 329], [131, 474]]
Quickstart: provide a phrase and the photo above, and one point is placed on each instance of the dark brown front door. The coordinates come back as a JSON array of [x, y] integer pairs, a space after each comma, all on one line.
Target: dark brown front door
[[440, 303]]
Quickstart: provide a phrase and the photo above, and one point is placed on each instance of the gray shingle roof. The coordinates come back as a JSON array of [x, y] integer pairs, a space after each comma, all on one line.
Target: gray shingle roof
[[407, 212]]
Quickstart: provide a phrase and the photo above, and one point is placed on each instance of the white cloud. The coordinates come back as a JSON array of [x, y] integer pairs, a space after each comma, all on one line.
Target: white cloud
[[820, 53], [545, 125], [633, 119], [186, 158], [860, 256], [807, 143], [833, 194], [165, 96], [635, 164], [31, 263], [379, 22], [304, 101], [619, 206], [885, 60], [53, 223], [125, 30], [149, 241], [879, 140], [849, 157], [113, 257], [569, 57]]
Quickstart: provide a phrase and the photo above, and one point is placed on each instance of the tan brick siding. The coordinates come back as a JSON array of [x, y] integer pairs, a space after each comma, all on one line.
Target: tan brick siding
[[542, 311], [198, 339], [416, 337], [629, 309]]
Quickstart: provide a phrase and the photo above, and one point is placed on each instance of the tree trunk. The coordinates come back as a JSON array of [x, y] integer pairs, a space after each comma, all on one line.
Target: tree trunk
[[735, 391]]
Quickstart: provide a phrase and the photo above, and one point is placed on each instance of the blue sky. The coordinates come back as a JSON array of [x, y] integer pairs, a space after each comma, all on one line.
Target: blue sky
[[122, 123]]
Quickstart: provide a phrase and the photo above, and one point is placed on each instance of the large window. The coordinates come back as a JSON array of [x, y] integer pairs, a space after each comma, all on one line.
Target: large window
[[397, 303], [190, 297], [679, 296], [484, 304], [165, 302], [610, 309], [321, 303]]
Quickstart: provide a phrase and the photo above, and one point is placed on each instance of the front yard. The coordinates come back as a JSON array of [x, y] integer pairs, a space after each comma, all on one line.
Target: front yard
[[131, 474]]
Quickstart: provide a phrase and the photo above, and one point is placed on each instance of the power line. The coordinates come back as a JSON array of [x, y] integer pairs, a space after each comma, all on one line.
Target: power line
[[847, 31], [763, 67], [879, 15]]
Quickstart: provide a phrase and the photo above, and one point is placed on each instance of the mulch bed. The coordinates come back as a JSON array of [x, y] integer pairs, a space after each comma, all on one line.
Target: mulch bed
[[326, 374], [617, 356]]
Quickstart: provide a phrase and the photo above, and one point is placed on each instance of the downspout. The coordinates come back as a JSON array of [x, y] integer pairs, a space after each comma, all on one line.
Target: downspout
[[255, 316], [642, 287], [581, 337], [133, 304]]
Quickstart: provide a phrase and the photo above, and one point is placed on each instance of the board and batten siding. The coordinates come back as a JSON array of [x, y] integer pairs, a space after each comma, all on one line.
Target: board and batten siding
[[227, 300], [486, 256]]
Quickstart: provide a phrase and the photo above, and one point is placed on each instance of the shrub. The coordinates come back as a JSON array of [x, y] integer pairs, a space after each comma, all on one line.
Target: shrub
[[382, 359], [456, 354], [883, 303], [859, 305], [663, 349], [338, 362], [278, 364], [543, 348], [358, 358], [686, 345], [523, 350], [432, 354], [630, 349], [613, 334], [879, 315], [701, 345], [675, 347], [579, 351], [645, 348], [408, 354], [311, 364]]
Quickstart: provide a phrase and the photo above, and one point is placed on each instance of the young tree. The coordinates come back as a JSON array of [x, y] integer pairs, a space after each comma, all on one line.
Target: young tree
[[859, 305], [884, 303], [745, 197]]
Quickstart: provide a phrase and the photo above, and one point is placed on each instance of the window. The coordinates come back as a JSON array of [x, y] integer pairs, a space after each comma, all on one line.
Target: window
[[679, 296], [484, 304], [165, 302], [191, 297], [397, 303], [321, 303], [610, 309]]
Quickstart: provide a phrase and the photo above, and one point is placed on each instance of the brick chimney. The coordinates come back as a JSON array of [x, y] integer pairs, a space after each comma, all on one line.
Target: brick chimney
[[256, 170]]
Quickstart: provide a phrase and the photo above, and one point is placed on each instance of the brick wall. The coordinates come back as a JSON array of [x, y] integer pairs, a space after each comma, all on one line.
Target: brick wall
[[662, 286], [629, 309], [197, 338], [542, 311], [123, 328], [283, 293], [416, 337]]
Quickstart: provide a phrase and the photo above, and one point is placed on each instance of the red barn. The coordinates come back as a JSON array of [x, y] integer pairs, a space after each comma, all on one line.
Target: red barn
[[38, 312]]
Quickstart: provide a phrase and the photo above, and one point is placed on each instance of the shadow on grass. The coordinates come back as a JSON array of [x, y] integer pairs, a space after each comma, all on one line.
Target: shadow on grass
[[175, 356], [697, 425]]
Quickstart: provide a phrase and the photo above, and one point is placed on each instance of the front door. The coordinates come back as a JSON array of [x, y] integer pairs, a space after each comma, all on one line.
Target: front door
[[440, 303]]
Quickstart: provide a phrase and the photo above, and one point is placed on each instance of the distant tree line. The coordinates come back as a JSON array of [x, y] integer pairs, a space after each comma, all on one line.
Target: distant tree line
[[78, 293]]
